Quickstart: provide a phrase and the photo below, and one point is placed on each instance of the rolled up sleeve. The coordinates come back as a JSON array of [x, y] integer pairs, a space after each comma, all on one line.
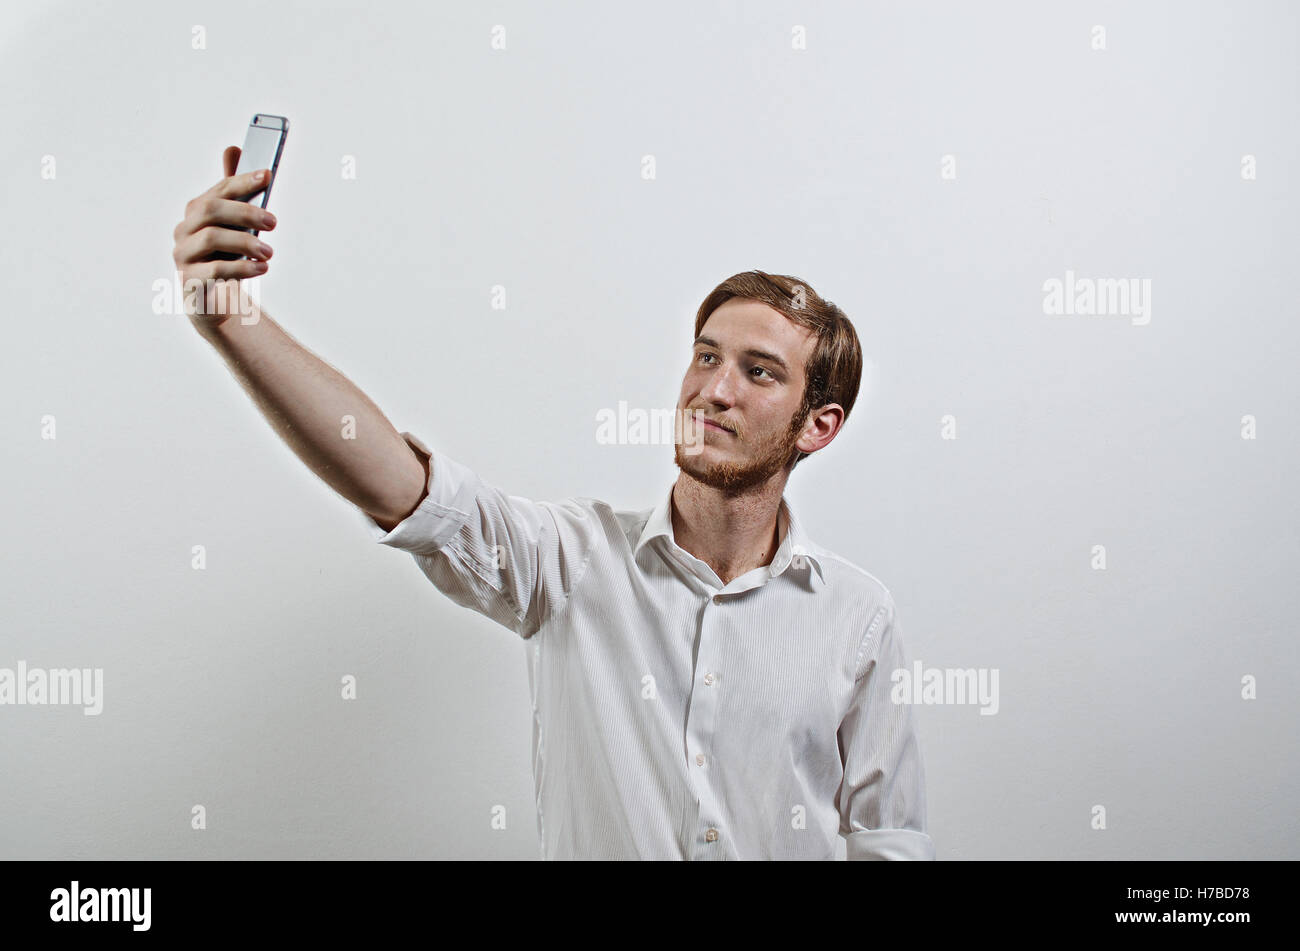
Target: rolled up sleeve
[[509, 558], [881, 800], [444, 509]]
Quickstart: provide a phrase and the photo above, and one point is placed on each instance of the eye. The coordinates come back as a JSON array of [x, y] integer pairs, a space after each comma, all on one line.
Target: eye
[[705, 355]]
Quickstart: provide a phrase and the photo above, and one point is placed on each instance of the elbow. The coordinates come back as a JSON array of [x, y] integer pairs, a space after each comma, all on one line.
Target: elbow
[[889, 845], [415, 488]]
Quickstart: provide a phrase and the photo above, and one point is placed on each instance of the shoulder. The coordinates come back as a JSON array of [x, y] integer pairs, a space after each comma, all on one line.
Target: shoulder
[[874, 616], [631, 522], [601, 518], [853, 581]]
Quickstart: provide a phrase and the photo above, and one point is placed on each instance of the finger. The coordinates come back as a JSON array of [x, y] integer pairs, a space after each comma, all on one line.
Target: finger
[[205, 244], [244, 185], [230, 159], [226, 270], [209, 210]]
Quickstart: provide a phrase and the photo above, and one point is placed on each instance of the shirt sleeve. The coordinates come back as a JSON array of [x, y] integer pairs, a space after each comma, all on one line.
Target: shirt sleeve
[[881, 800], [508, 558]]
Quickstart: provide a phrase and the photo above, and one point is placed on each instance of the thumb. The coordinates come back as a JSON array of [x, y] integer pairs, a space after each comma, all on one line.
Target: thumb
[[230, 159]]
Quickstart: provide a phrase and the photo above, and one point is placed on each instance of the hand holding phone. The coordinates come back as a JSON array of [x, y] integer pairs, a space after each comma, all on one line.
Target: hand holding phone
[[263, 145], [217, 242]]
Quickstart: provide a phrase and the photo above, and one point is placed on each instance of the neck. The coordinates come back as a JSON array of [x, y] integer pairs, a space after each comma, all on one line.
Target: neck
[[732, 534]]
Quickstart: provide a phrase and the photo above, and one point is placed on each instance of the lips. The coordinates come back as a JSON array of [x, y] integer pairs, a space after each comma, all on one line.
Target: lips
[[711, 424]]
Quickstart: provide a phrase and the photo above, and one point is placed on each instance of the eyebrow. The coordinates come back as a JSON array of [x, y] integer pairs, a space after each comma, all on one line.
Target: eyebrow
[[758, 354]]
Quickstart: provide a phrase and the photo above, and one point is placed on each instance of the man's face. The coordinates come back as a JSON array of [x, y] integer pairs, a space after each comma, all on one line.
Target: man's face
[[746, 373]]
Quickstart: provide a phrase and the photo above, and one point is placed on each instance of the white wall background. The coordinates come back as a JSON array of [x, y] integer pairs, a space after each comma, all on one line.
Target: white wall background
[[522, 167]]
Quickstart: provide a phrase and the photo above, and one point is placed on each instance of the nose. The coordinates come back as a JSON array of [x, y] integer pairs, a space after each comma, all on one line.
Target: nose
[[720, 388]]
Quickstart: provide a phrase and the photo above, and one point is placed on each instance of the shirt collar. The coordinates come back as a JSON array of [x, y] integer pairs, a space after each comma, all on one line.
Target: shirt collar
[[795, 545]]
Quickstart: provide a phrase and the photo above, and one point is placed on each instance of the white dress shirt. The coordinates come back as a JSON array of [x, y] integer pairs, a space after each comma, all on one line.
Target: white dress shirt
[[674, 716]]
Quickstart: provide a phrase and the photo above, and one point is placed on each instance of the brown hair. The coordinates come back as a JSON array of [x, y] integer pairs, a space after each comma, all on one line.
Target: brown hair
[[834, 370]]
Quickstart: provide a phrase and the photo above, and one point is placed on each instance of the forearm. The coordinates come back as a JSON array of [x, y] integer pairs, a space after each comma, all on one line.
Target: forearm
[[305, 400]]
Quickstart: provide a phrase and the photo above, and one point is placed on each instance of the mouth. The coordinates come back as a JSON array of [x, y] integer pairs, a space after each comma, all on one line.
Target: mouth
[[710, 424]]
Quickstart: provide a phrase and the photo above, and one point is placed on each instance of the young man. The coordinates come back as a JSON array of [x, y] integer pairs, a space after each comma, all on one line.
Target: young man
[[707, 682]]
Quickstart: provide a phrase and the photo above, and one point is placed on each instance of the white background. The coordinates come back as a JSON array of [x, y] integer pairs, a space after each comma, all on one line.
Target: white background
[[522, 168]]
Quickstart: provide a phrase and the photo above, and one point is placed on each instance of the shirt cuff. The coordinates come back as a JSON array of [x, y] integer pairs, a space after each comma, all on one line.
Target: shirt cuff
[[889, 845], [453, 489]]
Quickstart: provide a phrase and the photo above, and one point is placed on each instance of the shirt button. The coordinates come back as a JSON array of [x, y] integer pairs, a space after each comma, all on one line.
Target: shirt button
[[708, 680], [717, 599], [798, 561], [699, 759], [711, 835]]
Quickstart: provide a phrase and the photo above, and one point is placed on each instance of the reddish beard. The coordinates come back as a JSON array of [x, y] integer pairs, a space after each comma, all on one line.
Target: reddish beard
[[735, 477]]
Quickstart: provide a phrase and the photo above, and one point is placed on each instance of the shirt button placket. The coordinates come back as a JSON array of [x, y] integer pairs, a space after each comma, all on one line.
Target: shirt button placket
[[702, 722]]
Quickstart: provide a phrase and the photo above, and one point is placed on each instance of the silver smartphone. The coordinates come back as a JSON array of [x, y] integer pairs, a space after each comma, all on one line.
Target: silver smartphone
[[263, 146]]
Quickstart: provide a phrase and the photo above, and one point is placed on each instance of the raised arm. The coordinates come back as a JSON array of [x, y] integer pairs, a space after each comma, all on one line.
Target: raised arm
[[303, 398]]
